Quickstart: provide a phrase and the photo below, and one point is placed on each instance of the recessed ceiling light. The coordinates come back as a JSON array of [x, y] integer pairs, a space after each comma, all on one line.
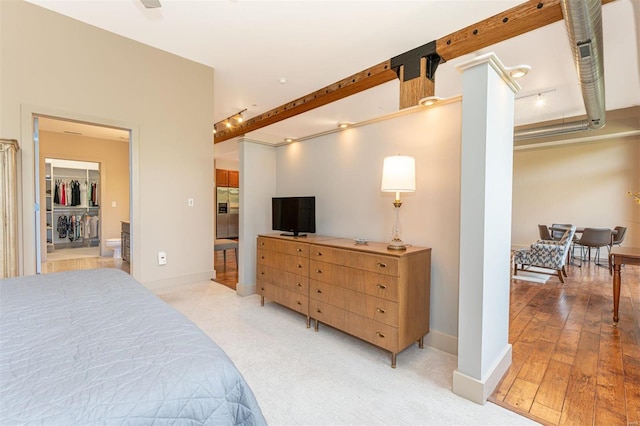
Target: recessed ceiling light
[[539, 100], [283, 80], [519, 71], [344, 125], [430, 100], [288, 140]]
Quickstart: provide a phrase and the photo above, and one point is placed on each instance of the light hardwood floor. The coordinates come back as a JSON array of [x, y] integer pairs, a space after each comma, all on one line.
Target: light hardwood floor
[[226, 273], [571, 365], [83, 263]]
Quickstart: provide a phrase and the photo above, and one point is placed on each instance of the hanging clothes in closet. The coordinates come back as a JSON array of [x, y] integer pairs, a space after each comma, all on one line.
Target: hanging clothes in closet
[[94, 195], [78, 227], [67, 192]]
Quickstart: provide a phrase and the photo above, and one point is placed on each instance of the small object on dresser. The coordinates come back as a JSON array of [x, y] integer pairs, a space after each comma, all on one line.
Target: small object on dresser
[[361, 240]]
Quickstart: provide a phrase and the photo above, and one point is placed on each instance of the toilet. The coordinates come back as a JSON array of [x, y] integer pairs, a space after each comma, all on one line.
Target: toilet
[[115, 244]]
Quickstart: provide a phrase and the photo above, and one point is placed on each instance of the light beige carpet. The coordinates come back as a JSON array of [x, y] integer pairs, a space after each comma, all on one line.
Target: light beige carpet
[[301, 377]]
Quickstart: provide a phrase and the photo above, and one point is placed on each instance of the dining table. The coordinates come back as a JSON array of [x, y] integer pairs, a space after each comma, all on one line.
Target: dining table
[[621, 256]]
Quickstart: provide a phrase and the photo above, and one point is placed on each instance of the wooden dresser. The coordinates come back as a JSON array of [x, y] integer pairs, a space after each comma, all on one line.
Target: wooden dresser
[[378, 295]]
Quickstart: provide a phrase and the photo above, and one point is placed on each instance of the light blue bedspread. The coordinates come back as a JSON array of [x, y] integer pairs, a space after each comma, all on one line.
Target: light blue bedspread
[[96, 347]]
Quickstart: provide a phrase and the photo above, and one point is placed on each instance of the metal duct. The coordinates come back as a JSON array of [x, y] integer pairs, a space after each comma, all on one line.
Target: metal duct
[[583, 19], [551, 130]]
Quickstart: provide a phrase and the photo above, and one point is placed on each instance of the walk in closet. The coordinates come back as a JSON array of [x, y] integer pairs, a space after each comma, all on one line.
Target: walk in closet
[[72, 199]]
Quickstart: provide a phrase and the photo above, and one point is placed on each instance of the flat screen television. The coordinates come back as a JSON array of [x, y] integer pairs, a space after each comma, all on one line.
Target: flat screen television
[[293, 214]]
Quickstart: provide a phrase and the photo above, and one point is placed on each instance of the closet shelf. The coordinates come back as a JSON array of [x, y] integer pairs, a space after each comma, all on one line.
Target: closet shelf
[[75, 207]]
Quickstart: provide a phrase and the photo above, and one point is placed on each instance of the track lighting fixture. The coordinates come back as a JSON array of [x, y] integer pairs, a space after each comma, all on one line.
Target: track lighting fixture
[[232, 120]]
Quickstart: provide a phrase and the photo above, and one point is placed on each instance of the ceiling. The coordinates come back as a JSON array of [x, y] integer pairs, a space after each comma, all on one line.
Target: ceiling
[[74, 128], [253, 45]]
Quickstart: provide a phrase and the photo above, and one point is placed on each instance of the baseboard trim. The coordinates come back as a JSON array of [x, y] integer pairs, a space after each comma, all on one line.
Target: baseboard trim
[[478, 391], [442, 341], [245, 289], [168, 283]]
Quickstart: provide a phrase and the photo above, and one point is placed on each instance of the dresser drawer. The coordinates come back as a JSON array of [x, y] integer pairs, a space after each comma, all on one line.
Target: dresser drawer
[[386, 265], [289, 247], [295, 264], [380, 334], [280, 278], [374, 284], [358, 303], [293, 300]]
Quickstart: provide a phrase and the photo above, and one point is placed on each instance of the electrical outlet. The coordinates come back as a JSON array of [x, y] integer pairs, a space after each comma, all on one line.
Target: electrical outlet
[[162, 258]]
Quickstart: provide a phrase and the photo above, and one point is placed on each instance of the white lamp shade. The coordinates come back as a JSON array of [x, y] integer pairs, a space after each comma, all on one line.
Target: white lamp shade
[[399, 174]]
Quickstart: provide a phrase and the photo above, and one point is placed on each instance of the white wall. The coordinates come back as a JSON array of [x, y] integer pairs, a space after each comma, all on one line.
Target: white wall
[[55, 65], [584, 184], [343, 171]]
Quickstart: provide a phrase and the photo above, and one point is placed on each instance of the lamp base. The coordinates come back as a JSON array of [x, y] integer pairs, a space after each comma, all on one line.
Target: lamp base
[[397, 245]]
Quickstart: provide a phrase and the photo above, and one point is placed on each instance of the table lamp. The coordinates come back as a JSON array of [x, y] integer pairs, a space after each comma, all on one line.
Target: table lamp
[[398, 175]]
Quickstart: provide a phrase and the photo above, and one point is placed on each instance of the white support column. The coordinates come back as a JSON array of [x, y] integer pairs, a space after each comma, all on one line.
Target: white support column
[[257, 186], [484, 352]]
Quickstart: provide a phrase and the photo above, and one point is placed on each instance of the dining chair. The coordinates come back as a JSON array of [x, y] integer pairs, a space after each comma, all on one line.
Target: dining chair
[[594, 238], [557, 234], [544, 232], [618, 237]]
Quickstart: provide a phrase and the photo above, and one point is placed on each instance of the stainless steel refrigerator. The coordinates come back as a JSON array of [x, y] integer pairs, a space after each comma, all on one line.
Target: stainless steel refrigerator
[[227, 212]]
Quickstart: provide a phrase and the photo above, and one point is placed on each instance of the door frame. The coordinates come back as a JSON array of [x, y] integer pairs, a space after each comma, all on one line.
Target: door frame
[[26, 185]]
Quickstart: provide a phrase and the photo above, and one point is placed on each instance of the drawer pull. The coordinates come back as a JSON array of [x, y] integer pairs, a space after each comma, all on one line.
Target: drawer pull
[[379, 334], [299, 266], [261, 257], [262, 288], [319, 271], [381, 310], [262, 273], [319, 253], [299, 250], [319, 310], [381, 265], [299, 285], [319, 291], [382, 286], [299, 302], [261, 243]]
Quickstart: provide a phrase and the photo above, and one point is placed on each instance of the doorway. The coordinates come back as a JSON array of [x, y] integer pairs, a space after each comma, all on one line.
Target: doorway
[[83, 188]]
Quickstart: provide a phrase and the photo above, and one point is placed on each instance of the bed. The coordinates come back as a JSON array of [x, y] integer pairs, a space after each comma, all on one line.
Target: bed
[[96, 347]]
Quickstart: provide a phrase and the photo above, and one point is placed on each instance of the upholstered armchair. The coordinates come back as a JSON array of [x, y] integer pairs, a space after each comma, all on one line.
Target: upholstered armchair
[[546, 254]]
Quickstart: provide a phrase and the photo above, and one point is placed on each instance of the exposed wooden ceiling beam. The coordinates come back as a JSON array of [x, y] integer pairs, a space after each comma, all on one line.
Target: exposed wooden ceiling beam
[[411, 91], [513, 22], [371, 77]]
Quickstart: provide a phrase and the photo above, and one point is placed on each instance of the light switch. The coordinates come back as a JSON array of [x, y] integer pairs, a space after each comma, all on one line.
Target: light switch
[[113, 204], [190, 202]]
